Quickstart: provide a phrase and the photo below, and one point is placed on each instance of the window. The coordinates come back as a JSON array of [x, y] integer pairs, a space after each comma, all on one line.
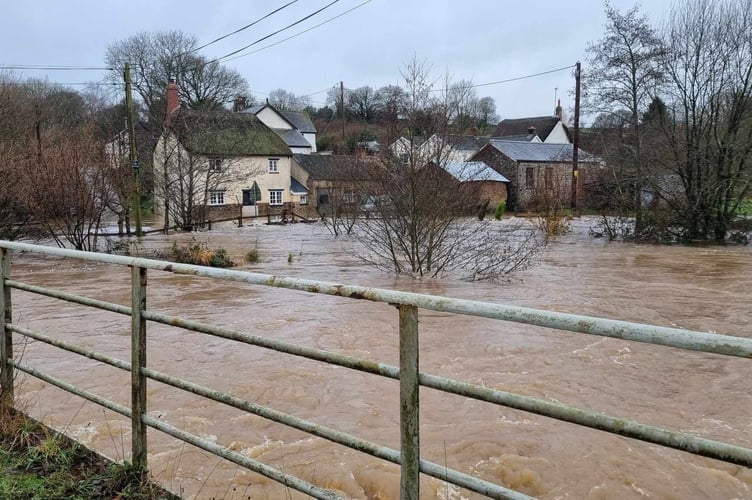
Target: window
[[404, 158], [275, 197], [323, 197], [273, 165], [216, 197], [215, 164], [349, 197], [304, 199], [530, 177]]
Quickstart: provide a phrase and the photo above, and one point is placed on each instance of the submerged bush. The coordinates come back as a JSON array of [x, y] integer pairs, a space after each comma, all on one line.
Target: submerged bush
[[198, 254]]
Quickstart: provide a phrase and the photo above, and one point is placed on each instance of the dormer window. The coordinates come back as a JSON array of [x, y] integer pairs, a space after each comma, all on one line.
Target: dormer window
[[273, 165], [215, 164]]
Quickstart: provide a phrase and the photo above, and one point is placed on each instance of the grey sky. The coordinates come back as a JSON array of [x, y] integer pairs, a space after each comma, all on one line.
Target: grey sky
[[482, 40]]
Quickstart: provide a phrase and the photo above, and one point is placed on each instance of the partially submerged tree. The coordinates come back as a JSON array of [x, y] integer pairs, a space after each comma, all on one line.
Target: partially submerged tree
[[623, 73], [709, 140], [419, 221]]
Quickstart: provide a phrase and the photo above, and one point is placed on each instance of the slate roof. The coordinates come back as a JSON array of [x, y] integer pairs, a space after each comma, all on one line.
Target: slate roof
[[473, 171], [332, 167], [292, 137], [300, 120], [519, 138], [540, 152], [220, 133], [520, 126], [296, 187], [466, 142]]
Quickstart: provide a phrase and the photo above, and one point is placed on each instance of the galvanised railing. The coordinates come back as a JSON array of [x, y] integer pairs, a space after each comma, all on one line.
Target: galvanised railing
[[410, 379]]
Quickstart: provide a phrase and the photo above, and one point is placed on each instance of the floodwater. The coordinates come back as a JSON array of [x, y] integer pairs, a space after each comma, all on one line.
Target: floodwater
[[700, 288]]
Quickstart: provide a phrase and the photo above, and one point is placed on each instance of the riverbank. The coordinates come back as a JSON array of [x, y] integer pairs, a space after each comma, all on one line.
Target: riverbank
[[38, 462]]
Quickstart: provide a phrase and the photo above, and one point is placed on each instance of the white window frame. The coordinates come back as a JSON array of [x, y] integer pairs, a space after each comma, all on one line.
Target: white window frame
[[304, 199], [275, 197], [273, 165], [215, 165], [216, 197]]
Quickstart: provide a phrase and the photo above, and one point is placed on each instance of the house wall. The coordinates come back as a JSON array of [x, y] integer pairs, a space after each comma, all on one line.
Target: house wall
[[493, 191], [272, 119], [238, 173], [297, 150], [503, 165], [543, 184], [558, 135], [311, 138]]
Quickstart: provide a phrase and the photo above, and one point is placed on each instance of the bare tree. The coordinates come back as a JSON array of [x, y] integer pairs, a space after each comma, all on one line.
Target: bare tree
[[419, 222], [66, 186], [286, 100], [709, 139], [623, 73], [157, 57]]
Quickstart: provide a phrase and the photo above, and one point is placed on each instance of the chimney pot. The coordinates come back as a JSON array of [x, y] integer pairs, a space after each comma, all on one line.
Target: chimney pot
[[559, 111]]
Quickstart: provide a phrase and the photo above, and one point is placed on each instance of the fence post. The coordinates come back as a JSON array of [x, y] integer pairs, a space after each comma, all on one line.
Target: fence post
[[409, 404], [6, 342], [138, 362]]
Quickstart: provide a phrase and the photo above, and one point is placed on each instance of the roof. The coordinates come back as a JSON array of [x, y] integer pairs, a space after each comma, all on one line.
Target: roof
[[300, 120], [296, 187], [540, 152], [221, 133], [292, 137], [521, 126], [466, 142], [519, 138], [332, 167], [473, 171]]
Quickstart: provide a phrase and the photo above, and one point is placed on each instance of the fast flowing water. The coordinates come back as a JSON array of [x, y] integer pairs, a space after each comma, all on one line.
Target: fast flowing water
[[707, 289]]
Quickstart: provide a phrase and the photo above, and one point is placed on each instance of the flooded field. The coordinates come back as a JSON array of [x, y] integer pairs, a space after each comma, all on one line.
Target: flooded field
[[707, 289]]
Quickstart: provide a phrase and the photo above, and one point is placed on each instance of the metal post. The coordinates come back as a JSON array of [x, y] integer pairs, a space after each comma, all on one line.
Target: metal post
[[409, 404], [138, 362], [6, 342]]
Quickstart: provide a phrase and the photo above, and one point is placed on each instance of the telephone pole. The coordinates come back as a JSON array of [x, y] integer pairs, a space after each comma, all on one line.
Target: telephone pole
[[132, 155], [576, 145], [342, 107]]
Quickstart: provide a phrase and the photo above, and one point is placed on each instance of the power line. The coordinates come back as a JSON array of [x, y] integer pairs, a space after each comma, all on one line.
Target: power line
[[507, 80], [278, 31], [43, 82], [55, 68], [241, 29], [300, 33]]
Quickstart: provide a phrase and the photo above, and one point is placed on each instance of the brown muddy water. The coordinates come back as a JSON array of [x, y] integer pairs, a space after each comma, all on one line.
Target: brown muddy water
[[707, 289]]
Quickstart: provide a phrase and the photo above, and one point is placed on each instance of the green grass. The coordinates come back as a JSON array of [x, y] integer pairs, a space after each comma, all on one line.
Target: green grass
[[745, 207], [38, 463]]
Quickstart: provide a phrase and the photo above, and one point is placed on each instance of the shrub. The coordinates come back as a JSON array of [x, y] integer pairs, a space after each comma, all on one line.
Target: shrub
[[500, 209], [199, 254]]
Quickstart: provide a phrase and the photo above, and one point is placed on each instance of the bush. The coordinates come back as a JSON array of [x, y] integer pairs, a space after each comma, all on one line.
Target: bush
[[500, 209], [198, 254], [252, 256]]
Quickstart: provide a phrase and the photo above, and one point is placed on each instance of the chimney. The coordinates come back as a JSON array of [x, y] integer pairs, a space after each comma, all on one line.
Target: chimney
[[531, 129], [559, 112], [239, 104], [173, 100]]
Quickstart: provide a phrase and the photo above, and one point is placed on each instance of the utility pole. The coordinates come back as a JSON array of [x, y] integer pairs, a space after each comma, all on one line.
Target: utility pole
[[576, 145], [342, 107], [132, 156]]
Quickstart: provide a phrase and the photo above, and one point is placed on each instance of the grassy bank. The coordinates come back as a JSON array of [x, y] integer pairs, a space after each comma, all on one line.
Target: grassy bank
[[39, 463]]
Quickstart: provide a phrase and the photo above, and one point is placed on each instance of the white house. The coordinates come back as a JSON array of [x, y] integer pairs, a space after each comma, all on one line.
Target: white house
[[294, 127]]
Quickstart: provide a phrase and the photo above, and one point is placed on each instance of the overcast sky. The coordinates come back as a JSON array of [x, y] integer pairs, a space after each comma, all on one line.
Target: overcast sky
[[481, 40]]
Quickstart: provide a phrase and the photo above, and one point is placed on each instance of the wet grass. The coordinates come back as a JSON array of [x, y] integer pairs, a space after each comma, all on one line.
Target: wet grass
[[39, 463]]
